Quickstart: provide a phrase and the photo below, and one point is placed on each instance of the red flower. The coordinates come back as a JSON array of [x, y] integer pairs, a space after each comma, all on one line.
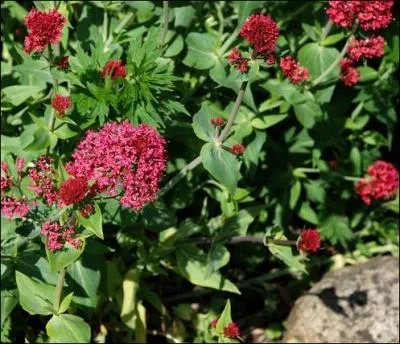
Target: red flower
[[382, 182], [240, 63], [349, 74], [61, 104], [44, 28], [261, 32], [213, 323], [293, 70], [369, 48], [237, 149], [231, 330], [309, 240], [6, 180], [234, 56], [218, 121], [86, 210], [63, 63], [73, 190], [270, 59], [114, 68]]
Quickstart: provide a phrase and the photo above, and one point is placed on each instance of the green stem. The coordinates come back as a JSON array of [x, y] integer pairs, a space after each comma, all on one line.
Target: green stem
[[234, 112], [220, 19], [60, 283], [165, 23], [179, 176], [105, 25], [326, 30], [280, 242], [352, 179], [228, 42], [336, 62]]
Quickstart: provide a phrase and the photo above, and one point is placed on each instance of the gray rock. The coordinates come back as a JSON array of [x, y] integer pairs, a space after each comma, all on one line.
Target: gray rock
[[356, 304]]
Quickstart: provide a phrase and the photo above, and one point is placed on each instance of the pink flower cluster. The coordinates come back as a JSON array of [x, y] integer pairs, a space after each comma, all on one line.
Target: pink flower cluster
[[6, 180], [382, 182], [261, 32], [293, 70], [371, 15], [61, 104], [43, 179], [372, 47], [115, 69], [44, 28], [348, 72], [120, 155], [14, 208], [58, 235], [235, 58]]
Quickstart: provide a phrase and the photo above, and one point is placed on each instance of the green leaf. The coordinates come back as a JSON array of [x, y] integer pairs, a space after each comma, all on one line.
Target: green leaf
[[218, 257], [65, 303], [295, 192], [202, 126], [307, 112], [333, 39], [9, 299], [201, 50], [68, 328], [130, 287], [34, 297], [308, 214], [221, 164], [64, 257], [184, 15], [317, 59], [367, 73], [141, 325], [93, 223], [41, 140], [267, 121], [20, 93], [225, 318], [192, 265], [246, 8], [335, 228]]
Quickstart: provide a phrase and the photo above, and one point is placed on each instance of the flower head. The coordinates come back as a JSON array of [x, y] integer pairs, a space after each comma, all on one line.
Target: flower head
[[217, 121], [61, 104], [14, 208], [235, 58], [237, 149], [213, 323], [121, 157], [6, 180], [348, 74], [86, 210], [293, 70], [231, 330], [19, 164], [382, 182], [369, 48], [58, 235], [63, 63], [115, 69], [43, 28], [261, 32], [309, 240], [73, 190]]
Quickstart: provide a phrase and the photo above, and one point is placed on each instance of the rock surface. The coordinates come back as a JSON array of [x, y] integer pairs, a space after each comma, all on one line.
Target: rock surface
[[356, 304]]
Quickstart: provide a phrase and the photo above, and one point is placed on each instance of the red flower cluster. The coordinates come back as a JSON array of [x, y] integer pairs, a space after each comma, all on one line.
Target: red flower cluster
[[293, 70], [6, 180], [86, 210], [235, 58], [237, 149], [122, 156], [115, 69], [231, 330], [43, 179], [44, 28], [58, 235], [372, 15], [261, 32], [309, 241], [14, 208], [382, 182], [73, 190], [63, 63], [61, 104], [369, 48], [348, 74], [217, 122]]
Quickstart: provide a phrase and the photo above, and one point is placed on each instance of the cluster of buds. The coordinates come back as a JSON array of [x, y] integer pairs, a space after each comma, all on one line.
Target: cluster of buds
[[229, 331]]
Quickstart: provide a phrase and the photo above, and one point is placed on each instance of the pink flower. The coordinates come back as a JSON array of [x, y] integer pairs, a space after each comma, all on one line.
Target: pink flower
[[73, 190], [369, 48], [231, 330], [44, 28], [63, 63], [382, 182], [293, 70], [58, 235], [349, 74], [14, 208], [309, 241], [372, 15], [237, 149], [261, 32], [86, 210], [19, 163], [120, 156], [43, 179], [234, 56], [61, 104], [6, 180], [114, 68]]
